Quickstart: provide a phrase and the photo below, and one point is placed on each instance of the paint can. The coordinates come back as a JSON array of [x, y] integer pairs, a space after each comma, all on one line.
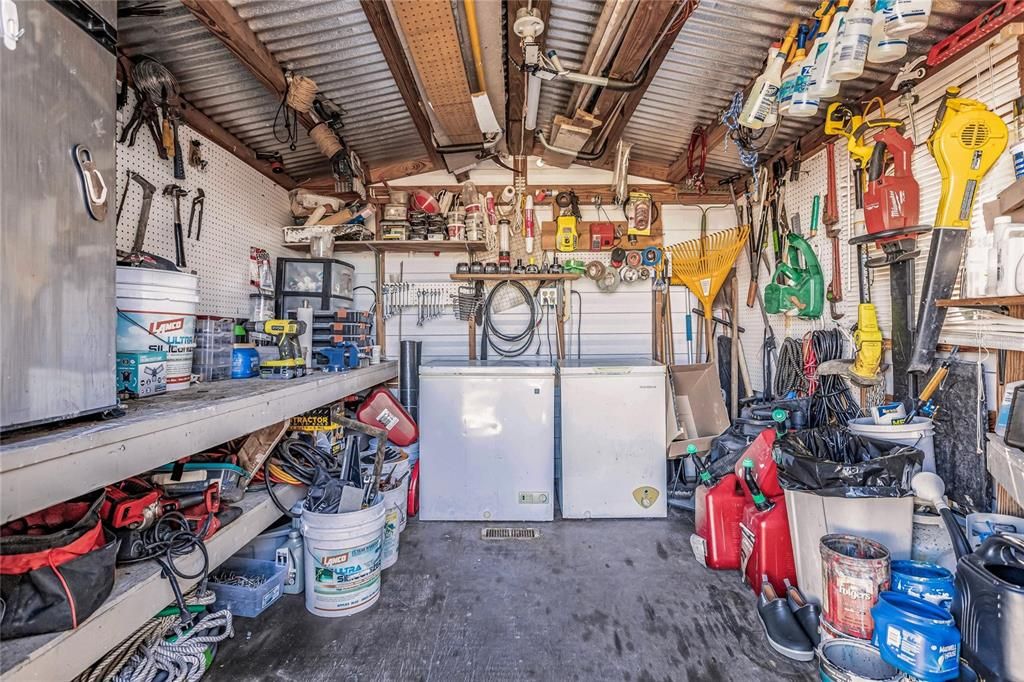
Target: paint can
[[156, 310], [854, 571], [921, 580], [919, 638], [852, 660], [343, 560]]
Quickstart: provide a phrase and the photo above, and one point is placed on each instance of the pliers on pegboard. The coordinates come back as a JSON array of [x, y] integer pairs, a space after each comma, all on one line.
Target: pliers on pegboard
[[144, 112], [198, 200]]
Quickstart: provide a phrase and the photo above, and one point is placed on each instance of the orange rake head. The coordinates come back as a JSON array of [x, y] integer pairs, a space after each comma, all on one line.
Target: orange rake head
[[703, 264]]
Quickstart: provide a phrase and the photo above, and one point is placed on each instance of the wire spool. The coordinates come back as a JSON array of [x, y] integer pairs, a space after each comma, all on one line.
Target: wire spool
[[301, 94], [634, 259], [609, 282], [651, 255], [155, 80], [594, 270], [629, 273], [325, 139]]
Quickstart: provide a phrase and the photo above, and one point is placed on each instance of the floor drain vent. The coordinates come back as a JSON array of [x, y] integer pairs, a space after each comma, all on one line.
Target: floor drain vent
[[509, 534]]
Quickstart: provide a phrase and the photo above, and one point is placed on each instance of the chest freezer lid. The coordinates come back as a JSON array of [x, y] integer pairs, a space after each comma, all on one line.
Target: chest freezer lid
[[504, 367], [611, 366]]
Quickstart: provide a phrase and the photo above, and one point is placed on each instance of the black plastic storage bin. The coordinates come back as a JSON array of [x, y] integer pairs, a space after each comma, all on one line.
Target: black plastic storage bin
[[325, 282]]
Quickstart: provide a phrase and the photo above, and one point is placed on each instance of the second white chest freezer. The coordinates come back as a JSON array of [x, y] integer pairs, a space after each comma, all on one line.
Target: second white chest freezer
[[613, 438], [487, 441]]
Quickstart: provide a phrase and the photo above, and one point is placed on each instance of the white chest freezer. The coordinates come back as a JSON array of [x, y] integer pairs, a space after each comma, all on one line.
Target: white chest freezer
[[613, 439], [487, 431]]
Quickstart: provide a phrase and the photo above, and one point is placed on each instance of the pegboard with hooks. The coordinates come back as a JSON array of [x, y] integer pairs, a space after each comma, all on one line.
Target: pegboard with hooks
[[242, 208]]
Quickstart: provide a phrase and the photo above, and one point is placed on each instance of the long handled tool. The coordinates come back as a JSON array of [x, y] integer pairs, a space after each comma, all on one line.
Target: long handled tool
[[176, 193], [830, 219], [966, 141]]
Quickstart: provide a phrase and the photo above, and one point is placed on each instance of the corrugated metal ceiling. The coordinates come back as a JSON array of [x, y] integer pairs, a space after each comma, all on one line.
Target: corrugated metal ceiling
[[720, 50], [330, 42], [569, 29]]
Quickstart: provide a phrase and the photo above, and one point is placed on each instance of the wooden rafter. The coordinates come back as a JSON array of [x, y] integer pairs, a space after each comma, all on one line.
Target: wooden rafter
[[515, 105], [387, 37], [655, 22]]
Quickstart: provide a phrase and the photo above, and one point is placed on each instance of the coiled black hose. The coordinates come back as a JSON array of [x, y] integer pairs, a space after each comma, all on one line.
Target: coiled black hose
[[790, 373], [314, 467], [520, 341], [832, 404]]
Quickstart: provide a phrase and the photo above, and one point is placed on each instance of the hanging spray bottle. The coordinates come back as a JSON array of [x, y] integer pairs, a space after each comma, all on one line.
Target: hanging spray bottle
[[763, 97], [792, 72], [825, 85], [853, 42]]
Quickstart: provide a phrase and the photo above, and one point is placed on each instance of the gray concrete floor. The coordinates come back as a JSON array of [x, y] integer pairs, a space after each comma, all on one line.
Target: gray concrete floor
[[588, 600]]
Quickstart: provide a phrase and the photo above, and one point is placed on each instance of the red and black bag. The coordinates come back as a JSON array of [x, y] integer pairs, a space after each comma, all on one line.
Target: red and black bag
[[56, 567]]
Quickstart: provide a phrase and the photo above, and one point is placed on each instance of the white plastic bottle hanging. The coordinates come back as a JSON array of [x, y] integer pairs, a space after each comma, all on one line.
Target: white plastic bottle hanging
[[825, 85], [803, 104], [763, 96], [792, 72], [906, 17], [884, 48], [853, 42]]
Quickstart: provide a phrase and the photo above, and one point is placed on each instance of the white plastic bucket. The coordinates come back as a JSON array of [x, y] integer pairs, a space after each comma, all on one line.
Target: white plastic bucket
[[156, 310], [343, 560], [395, 504], [919, 434]]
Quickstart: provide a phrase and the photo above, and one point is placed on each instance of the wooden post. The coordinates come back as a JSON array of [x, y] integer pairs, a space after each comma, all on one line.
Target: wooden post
[[734, 350]]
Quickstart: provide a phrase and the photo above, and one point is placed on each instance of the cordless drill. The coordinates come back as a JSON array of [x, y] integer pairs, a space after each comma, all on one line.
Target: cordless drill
[[289, 363]]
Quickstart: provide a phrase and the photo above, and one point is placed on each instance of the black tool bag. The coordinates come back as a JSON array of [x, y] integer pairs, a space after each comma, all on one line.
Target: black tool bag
[[56, 568]]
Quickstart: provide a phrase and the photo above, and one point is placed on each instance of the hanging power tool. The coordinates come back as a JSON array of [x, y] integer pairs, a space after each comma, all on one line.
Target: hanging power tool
[[966, 141], [566, 235], [275, 160], [290, 362], [803, 286], [843, 119]]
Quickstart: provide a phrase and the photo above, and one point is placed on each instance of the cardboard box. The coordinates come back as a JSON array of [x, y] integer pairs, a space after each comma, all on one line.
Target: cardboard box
[[141, 374], [700, 409]]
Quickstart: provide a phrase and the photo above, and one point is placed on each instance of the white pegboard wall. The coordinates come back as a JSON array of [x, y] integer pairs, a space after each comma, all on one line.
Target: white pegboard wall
[[243, 208], [990, 74]]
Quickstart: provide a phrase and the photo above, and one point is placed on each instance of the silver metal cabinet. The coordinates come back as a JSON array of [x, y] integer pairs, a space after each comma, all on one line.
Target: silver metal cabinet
[[57, 325], [487, 441], [613, 438]]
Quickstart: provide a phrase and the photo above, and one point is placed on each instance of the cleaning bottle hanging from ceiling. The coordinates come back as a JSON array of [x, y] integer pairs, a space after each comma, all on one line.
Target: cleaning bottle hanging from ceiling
[[803, 104], [825, 85], [792, 71], [907, 17], [884, 48], [761, 103], [853, 41]]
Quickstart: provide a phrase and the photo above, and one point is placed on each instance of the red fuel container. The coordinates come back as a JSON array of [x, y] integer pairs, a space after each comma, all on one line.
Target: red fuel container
[[718, 512], [382, 410], [765, 469], [765, 546]]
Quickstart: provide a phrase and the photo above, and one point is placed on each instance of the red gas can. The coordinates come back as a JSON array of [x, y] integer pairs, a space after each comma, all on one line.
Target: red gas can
[[382, 410], [765, 469], [765, 546], [718, 512]]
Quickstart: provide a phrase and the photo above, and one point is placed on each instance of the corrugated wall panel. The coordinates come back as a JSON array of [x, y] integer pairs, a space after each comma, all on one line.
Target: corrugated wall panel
[[569, 30]]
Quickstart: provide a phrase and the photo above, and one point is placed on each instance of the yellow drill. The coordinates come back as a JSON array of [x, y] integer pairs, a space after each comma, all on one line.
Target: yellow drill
[[289, 363]]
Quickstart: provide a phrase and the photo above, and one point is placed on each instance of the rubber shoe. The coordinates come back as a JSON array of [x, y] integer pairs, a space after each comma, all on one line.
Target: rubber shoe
[[807, 614], [780, 625]]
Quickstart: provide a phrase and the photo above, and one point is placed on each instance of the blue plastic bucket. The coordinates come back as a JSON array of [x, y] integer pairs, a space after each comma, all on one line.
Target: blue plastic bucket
[[917, 637], [932, 583]]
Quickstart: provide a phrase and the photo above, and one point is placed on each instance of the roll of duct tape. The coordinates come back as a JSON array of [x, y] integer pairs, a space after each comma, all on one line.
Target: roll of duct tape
[[508, 193]]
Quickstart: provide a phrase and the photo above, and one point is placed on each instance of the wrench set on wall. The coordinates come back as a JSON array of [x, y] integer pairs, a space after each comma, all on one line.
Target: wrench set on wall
[[431, 300]]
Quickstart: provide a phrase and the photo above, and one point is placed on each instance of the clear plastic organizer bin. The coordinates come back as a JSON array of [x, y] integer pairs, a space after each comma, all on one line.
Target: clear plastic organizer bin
[[245, 601]]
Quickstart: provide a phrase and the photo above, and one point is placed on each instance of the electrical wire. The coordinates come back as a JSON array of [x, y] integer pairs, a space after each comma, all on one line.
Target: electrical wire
[[832, 403], [790, 377], [519, 341], [309, 465], [579, 324]]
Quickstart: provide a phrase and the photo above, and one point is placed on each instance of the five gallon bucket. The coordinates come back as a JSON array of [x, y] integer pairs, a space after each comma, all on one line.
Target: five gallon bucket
[[850, 660], [854, 571], [343, 560], [156, 310], [920, 433]]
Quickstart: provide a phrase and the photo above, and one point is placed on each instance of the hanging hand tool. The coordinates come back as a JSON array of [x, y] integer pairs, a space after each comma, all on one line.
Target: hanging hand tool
[[966, 141], [176, 193], [147, 201], [197, 201], [933, 385], [730, 182], [830, 219], [909, 75]]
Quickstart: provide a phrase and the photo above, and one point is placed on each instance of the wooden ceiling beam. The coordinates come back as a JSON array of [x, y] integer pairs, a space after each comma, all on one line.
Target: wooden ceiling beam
[[515, 103], [387, 37], [655, 22], [225, 24]]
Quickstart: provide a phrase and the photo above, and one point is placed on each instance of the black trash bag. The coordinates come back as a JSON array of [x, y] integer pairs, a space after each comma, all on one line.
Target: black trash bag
[[832, 462]]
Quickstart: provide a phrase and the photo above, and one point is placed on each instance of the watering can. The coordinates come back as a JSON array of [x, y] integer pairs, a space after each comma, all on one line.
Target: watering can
[[797, 282], [989, 603]]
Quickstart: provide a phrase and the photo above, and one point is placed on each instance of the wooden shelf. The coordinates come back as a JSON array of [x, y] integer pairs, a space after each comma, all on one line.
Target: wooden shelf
[[549, 277], [40, 467], [984, 301], [399, 246], [139, 593]]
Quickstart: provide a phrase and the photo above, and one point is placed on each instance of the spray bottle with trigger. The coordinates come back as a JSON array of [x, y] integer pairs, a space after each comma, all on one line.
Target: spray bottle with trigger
[[763, 98]]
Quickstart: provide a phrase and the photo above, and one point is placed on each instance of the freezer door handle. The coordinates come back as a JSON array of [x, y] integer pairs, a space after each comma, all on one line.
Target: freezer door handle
[[12, 27]]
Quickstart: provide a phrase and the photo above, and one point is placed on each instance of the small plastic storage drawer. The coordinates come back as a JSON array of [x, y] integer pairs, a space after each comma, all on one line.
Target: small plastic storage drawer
[[248, 602]]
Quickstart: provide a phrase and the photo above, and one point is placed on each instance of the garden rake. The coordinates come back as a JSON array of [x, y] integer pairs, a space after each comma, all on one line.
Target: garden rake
[[703, 264]]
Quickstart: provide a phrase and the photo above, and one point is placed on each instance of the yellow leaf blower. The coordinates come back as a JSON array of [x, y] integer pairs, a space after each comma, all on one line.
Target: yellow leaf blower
[[966, 141]]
